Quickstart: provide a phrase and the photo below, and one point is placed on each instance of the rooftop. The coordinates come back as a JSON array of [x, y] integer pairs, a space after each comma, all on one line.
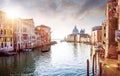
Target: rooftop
[[97, 28]]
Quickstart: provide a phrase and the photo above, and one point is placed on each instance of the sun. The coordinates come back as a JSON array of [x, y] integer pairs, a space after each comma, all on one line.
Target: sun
[[12, 13]]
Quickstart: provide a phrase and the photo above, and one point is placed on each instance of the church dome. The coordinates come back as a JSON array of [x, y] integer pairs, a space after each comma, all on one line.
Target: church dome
[[82, 31], [75, 30]]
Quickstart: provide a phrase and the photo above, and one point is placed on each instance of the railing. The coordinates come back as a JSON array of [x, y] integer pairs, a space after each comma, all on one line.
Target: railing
[[3, 35]]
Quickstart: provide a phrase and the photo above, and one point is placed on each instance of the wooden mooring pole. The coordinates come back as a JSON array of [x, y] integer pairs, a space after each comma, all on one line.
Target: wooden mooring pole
[[87, 67], [95, 62], [100, 69], [93, 65]]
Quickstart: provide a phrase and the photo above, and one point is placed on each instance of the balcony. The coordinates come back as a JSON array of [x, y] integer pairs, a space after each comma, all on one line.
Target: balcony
[[4, 35]]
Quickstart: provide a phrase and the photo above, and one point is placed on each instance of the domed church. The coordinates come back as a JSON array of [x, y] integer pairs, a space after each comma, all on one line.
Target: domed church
[[77, 36]]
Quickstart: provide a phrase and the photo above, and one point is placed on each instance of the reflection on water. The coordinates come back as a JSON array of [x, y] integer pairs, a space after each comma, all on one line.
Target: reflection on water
[[64, 59]]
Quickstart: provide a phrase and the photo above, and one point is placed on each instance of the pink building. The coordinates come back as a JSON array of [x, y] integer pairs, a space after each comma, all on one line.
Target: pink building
[[43, 35]]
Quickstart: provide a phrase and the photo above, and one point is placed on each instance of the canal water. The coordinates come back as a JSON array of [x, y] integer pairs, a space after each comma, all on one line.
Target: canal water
[[64, 59]]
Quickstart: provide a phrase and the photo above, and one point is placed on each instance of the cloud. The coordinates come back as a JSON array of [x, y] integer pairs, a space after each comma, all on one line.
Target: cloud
[[72, 9], [60, 12], [68, 8], [3, 3]]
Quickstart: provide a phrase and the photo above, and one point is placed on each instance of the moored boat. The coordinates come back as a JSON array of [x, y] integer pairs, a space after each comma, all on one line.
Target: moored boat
[[45, 48]]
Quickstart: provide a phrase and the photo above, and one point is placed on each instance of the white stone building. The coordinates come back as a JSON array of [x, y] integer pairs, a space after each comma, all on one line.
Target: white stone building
[[24, 33]]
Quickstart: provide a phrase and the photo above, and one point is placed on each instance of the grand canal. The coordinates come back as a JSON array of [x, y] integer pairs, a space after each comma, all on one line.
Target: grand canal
[[64, 59]]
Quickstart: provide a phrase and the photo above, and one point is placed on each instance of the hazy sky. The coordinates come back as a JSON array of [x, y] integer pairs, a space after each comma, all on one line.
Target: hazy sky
[[60, 15]]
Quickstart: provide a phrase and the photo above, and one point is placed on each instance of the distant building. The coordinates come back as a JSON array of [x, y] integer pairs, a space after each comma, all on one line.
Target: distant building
[[74, 37], [70, 38], [77, 36], [96, 35], [85, 38]]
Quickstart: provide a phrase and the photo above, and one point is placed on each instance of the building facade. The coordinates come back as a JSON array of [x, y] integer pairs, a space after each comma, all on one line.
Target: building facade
[[96, 35], [73, 38], [24, 36], [111, 26], [84, 38], [46, 34], [18, 34], [43, 35], [105, 37], [117, 33], [6, 32]]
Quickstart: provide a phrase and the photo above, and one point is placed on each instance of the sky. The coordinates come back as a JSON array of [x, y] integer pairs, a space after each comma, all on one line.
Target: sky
[[60, 15]]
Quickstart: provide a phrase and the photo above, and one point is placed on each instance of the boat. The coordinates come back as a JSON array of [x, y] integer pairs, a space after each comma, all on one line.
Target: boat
[[53, 42], [45, 48], [6, 52], [27, 50]]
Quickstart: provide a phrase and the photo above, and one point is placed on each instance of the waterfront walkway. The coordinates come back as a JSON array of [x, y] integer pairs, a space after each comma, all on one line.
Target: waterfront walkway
[[110, 68]]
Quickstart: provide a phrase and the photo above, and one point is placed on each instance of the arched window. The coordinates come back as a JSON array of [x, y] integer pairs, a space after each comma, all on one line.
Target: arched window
[[1, 45], [11, 32], [5, 45], [11, 39], [5, 39], [1, 31], [4, 31]]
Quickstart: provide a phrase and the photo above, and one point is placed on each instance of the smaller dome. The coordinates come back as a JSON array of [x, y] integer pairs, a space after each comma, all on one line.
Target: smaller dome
[[82, 31]]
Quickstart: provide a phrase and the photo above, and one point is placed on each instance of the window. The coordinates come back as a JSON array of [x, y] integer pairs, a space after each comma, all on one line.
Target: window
[[10, 44], [104, 34], [2, 45], [5, 44], [5, 39], [24, 29], [104, 28], [103, 42], [1, 31], [4, 32], [11, 39]]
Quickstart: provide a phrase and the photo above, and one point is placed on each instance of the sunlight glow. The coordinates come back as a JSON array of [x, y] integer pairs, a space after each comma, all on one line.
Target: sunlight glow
[[12, 13], [107, 66]]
